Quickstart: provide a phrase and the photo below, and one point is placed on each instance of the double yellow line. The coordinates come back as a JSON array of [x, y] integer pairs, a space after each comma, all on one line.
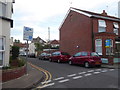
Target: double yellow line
[[48, 75]]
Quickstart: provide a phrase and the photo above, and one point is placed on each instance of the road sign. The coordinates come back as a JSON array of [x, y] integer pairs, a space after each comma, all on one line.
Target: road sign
[[27, 33]]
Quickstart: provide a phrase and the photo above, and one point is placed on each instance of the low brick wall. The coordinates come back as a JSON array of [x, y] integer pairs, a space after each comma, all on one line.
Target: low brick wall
[[13, 73]]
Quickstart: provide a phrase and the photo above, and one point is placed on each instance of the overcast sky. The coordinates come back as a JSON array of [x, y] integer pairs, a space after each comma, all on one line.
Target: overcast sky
[[41, 14]]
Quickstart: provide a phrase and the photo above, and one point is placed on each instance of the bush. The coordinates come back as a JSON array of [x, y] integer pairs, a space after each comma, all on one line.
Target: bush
[[15, 52], [21, 62]]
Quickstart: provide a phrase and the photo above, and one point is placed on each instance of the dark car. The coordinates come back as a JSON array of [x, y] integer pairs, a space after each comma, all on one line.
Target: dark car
[[32, 55], [44, 56], [88, 59], [60, 56]]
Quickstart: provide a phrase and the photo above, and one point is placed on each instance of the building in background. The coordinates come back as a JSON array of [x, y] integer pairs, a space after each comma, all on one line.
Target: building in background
[[38, 40], [55, 44], [119, 9], [88, 31], [6, 23]]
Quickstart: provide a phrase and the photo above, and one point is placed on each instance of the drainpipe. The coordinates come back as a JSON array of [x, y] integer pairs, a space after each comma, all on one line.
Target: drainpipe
[[93, 46]]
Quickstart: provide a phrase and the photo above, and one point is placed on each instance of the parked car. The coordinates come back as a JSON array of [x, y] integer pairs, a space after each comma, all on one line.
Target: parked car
[[59, 56], [44, 56], [87, 59], [32, 55]]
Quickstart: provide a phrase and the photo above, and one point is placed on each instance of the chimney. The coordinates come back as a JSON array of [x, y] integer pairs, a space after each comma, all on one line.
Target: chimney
[[104, 13]]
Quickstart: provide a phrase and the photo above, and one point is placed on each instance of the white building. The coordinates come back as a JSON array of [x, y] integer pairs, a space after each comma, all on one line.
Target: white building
[[31, 48], [6, 23], [119, 9]]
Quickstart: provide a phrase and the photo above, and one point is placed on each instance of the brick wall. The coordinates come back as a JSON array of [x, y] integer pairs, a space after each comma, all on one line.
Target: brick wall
[[13, 73], [76, 31]]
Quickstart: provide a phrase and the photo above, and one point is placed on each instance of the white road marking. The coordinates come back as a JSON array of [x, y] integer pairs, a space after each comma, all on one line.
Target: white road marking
[[46, 85], [91, 71], [96, 72], [63, 81], [98, 69], [111, 69], [58, 78], [46, 82], [82, 73], [88, 74], [71, 75], [77, 77], [104, 71]]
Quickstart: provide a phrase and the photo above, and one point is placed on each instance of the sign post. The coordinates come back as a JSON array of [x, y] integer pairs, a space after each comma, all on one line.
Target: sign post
[[27, 35]]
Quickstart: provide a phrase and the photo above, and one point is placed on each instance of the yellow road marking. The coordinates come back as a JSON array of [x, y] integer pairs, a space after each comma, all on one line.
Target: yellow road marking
[[47, 74]]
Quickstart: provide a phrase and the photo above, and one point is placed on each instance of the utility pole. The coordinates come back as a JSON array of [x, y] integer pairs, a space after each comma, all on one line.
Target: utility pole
[[49, 38]]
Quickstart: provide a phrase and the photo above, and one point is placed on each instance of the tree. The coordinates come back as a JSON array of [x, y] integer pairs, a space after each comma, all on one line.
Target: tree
[[39, 47]]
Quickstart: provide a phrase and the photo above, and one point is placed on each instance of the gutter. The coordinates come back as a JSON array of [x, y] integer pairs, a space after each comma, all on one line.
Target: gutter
[[7, 19]]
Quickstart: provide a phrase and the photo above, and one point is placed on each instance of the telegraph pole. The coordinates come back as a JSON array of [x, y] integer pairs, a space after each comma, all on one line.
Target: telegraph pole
[[49, 37]]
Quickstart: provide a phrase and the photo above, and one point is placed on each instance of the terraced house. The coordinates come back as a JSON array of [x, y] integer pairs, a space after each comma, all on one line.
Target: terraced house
[[83, 30], [6, 23]]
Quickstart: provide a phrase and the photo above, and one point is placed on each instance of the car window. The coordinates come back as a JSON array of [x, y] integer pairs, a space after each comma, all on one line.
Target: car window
[[57, 53], [77, 54], [64, 53], [94, 54], [84, 53]]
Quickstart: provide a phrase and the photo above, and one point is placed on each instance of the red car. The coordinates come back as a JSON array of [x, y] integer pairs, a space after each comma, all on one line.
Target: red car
[[87, 59], [59, 57]]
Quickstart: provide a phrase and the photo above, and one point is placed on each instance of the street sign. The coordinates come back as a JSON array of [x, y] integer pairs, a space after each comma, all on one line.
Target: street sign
[[27, 33]]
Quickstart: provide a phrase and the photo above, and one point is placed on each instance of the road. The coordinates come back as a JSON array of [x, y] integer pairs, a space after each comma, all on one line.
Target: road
[[75, 76]]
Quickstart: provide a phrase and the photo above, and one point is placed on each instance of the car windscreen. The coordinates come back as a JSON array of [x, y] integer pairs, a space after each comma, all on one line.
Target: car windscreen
[[94, 54], [64, 53]]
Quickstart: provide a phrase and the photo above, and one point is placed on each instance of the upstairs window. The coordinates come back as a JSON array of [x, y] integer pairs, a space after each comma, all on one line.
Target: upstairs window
[[101, 26], [2, 8], [115, 28]]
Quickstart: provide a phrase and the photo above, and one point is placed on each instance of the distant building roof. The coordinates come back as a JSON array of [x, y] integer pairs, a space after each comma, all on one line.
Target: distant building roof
[[38, 40]]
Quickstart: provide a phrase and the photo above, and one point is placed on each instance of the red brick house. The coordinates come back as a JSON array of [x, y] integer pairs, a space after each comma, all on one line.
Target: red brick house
[[88, 31], [54, 43]]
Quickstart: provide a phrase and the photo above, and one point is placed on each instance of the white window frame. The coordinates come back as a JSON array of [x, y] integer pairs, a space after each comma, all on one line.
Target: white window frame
[[101, 24], [115, 28], [98, 46], [3, 51]]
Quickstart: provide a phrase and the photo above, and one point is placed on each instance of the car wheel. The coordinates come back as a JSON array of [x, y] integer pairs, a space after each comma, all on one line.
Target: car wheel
[[50, 60], [70, 62], [87, 65], [58, 61]]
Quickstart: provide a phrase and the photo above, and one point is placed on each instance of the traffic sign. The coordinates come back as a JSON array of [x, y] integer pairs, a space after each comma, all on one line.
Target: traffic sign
[[27, 33]]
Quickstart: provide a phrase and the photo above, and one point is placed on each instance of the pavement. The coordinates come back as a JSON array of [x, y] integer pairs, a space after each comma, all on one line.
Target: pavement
[[114, 66], [29, 80], [34, 77]]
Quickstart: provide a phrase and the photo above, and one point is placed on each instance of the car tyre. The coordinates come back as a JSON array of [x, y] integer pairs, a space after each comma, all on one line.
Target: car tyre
[[86, 64], [58, 61], [70, 62], [50, 60]]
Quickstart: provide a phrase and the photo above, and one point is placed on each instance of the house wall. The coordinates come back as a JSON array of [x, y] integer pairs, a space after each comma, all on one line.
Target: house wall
[[5, 26], [75, 33], [119, 9]]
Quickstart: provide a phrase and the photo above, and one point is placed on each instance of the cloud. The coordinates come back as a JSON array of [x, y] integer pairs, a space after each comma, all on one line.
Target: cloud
[[41, 14]]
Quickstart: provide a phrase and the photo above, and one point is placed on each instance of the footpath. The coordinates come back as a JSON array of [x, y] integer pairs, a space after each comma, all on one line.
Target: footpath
[[29, 80]]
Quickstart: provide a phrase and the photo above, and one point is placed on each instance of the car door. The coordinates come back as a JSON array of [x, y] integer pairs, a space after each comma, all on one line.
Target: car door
[[76, 58], [83, 57]]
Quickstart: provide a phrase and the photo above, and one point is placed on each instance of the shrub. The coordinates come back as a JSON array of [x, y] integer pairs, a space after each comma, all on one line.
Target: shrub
[[15, 52]]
